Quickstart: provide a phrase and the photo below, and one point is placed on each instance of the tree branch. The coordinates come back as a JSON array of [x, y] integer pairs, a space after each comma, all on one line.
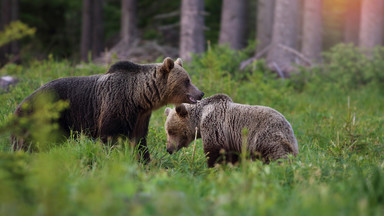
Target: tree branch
[[297, 53], [279, 71], [167, 15], [170, 26], [258, 55]]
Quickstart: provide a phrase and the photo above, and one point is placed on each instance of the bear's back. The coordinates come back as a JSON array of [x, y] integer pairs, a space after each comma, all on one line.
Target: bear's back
[[264, 124], [230, 118], [130, 67], [251, 114], [65, 87]]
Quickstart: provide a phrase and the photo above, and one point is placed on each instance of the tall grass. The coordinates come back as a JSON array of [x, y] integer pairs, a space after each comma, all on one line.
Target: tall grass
[[338, 122]]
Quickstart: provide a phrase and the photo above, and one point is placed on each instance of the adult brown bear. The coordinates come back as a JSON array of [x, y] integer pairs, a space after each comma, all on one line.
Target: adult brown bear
[[118, 103]]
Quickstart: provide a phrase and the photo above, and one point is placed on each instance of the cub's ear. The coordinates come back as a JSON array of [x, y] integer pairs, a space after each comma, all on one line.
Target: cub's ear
[[181, 111], [167, 66], [167, 111], [179, 62]]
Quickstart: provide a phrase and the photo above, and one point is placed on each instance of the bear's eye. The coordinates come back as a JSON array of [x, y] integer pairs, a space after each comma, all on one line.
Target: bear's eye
[[171, 132], [187, 82]]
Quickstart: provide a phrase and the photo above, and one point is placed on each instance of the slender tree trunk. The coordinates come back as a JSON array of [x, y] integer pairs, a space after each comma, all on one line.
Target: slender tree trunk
[[128, 31], [5, 20], [14, 16], [128, 21], [284, 37], [192, 38], [312, 43], [352, 22], [6, 12], [265, 16], [98, 28], [9, 13], [86, 30], [371, 27], [1, 17], [233, 23]]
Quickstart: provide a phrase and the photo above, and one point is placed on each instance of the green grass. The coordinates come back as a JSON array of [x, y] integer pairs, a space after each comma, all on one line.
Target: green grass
[[339, 170]]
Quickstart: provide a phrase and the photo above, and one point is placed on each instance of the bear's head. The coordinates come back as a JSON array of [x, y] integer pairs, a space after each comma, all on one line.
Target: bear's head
[[179, 88], [179, 128]]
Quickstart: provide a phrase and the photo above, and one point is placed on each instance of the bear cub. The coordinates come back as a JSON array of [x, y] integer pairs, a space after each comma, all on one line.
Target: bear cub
[[118, 103], [220, 123]]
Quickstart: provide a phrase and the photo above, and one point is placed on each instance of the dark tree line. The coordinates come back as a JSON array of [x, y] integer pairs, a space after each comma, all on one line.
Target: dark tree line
[[287, 31], [92, 29], [9, 13]]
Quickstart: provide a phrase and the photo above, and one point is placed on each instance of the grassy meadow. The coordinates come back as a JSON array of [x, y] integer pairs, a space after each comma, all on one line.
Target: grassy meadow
[[336, 111]]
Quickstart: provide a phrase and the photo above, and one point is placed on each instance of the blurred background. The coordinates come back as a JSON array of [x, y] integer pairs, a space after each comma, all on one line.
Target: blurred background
[[282, 31]]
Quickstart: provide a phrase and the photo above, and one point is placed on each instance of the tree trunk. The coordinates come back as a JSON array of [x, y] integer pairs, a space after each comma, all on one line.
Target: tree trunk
[[128, 21], [192, 38], [265, 15], [86, 30], [128, 33], [6, 13], [284, 36], [312, 42], [233, 24], [9, 13], [371, 27], [352, 22], [98, 28]]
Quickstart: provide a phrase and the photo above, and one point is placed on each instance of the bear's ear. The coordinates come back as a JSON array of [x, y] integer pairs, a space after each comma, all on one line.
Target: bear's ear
[[181, 111], [167, 66], [167, 111], [179, 62]]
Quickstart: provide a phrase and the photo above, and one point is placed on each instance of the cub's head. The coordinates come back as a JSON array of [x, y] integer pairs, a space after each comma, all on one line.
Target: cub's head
[[179, 129], [179, 88]]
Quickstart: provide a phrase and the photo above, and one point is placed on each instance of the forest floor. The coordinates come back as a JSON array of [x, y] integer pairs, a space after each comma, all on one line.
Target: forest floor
[[339, 170]]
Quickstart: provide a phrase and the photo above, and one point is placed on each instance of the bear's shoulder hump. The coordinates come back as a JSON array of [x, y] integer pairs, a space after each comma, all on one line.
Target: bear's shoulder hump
[[219, 98], [124, 66]]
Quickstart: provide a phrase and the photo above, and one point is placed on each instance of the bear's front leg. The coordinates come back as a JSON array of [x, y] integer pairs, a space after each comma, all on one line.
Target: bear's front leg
[[111, 128], [140, 134], [213, 154]]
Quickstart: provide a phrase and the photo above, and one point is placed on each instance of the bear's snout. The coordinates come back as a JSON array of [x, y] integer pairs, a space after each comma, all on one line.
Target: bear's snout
[[195, 94], [199, 94], [202, 95], [170, 150]]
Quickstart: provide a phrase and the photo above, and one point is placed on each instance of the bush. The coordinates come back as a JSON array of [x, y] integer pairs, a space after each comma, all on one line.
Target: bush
[[346, 67], [15, 31]]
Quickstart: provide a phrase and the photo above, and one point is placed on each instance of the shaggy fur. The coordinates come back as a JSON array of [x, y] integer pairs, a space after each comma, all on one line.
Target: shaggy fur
[[120, 102], [220, 123]]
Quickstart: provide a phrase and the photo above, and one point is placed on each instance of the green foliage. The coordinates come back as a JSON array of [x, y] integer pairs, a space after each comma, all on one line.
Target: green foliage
[[339, 171], [15, 31], [217, 70], [41, 122], [346, 67]]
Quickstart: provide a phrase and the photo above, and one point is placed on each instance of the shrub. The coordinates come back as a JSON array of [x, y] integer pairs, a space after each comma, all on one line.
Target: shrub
[[15, 31], [346, 67]]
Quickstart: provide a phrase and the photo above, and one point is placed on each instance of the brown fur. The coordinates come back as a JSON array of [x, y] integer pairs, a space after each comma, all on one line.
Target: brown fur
[[220, 123], [120, 102]]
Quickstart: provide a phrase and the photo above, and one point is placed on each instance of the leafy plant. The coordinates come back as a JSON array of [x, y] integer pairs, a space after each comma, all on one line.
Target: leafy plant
[[15, 31], [39, 128]]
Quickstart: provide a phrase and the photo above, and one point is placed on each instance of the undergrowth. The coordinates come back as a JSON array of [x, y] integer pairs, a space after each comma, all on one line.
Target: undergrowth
[[336, 111]]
